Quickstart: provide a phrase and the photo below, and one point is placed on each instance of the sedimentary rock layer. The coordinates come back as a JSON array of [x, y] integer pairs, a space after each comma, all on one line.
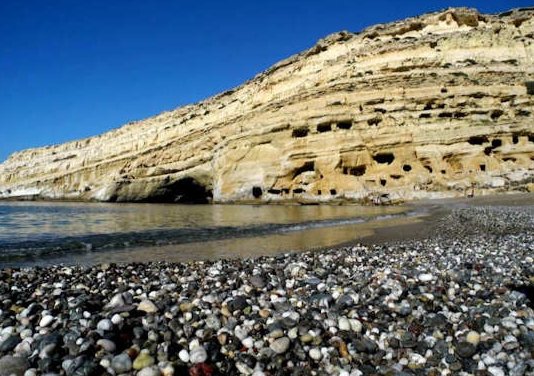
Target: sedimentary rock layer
[[436, 105]]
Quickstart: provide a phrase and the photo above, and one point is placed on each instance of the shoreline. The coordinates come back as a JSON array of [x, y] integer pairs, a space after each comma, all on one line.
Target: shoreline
[[459, 299], [416, 220]]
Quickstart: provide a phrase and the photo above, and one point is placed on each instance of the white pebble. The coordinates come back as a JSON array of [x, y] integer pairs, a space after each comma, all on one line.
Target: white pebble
[[116, 319], [248, 342], [356, 325], [46, 320], [496, 371], [315, 354], [184, 355], [425, 277], [343, 324], [198, 355], [104, 325]]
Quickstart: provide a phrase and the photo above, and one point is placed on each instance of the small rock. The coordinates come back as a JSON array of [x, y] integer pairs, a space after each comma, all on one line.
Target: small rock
[[496, 371], [147, 306], [149, 371], [107, 345], [473, 338], [280, 345], [343, 324], [117, 319], [465, 349], [213, 322], [116, 301], [46, 320], [104, 325], [198, 355], [315, 354], [184, 355], [356, 325], [11, 365], [237, 304], [257, 281], [425, 277], [10, 343], [143, 360]]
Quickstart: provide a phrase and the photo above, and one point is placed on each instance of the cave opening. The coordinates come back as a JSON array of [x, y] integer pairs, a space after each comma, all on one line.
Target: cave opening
[[183, 191], [321, 128], [407, 168], [496, 143], [299, 132], [257, 192], [344, 124], [306, 167], [530, 87], [515, 139], [358, 170], [482, 167], [384, 158], [477, 140]]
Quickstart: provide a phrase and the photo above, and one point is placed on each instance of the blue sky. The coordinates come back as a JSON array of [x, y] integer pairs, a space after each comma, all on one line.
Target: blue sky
[[75, 68]]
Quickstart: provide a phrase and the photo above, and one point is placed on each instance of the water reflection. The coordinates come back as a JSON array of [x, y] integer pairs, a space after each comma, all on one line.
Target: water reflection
[[25, 221]]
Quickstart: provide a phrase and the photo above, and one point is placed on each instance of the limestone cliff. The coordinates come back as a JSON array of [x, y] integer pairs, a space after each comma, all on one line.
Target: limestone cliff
[[426, 107]]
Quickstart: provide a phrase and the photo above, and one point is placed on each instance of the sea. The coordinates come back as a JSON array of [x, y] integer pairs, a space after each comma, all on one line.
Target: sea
[[35, 233]]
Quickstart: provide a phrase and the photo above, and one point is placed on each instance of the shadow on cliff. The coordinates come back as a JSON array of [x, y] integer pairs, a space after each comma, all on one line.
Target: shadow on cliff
[[183, 191]]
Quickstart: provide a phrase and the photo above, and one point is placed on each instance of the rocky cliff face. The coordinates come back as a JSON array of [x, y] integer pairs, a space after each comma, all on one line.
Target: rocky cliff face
[[431, 106]]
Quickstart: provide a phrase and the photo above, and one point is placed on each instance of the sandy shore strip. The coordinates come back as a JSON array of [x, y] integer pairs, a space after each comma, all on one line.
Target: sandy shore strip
[[457, 302]]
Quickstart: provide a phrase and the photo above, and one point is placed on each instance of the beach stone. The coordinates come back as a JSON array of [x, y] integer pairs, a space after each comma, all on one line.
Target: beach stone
[[237, 304], [147, 306], [143, 360], [184, 355], [213, 322], [10, 343], [149, 371], [465, 349], [244, 369], [527, 340], [425, 277], [356, 325], [121, 363], [315, 354], [104, 325], [473, 338], [46, 320], [343, 324], [186, 307], [107, 345], [201, 369], [116, 301], [198, 355], [496, 371], [117, 319], [11, 365], [257, 281], [280, 345]]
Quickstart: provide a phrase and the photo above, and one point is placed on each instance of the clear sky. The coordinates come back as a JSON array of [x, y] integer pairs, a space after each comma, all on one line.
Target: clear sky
[[76, 68]]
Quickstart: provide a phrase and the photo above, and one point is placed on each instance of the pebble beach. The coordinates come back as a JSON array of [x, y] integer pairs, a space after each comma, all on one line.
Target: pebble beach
[[456, 302]]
